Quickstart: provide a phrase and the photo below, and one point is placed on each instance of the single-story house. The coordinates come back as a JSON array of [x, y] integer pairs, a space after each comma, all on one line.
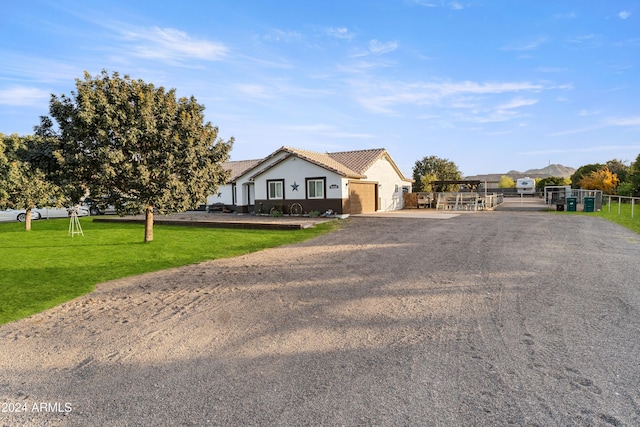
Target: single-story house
[[347, 182]]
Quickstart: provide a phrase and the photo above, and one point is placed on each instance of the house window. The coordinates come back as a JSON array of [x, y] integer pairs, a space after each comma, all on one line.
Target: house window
[[275, 190], [315, 188]]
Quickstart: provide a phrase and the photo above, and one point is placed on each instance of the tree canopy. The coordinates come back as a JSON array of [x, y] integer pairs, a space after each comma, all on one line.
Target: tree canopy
[[552, 181], [24, 186], [506, 182], [135, 146], [633, 178], [602, 179], [433, 168], [583, 171]]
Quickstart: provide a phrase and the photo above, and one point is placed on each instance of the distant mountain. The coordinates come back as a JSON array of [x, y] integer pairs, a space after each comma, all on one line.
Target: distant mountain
[[547, 171]]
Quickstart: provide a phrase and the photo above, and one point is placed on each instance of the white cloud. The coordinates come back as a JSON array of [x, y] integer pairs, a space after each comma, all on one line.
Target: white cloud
[[254, 91], [608, 148], [624, 14], [583, 39], [282, 36], [609, 122], [500, 113], [529, 45], [623, 121], [340, 33], [330, 131], [587, 113], [455, 5], [383, 96], [551, 69], [173, 45], [425, 3], [23, 96], [570, 15], [379, 48], [517, 103]]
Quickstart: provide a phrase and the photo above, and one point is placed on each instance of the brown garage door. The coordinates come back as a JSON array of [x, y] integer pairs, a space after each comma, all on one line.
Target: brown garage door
[[362, 197]]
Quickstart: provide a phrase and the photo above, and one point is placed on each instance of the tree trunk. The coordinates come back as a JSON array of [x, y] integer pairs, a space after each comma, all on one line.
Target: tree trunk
[[148, 224], [27, 220]]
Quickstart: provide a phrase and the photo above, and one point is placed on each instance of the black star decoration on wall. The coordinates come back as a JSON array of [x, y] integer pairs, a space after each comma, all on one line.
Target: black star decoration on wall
[[295, 186]]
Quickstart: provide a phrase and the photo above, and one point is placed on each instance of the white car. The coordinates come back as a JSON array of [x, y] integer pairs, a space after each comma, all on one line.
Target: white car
[[17, 215], [39, 213]]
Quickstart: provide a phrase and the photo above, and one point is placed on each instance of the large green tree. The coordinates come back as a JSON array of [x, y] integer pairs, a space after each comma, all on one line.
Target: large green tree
[[552, 181], [618, 167], [24, 186], [632, 183], [135, 145], [4, 172], [583, 171], [434, 168]]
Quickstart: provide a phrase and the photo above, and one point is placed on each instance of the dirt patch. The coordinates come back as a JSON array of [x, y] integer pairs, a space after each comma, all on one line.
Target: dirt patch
[[494, 318]]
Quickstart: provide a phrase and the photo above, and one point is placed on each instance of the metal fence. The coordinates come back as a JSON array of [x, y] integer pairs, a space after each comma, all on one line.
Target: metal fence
[[623, 200], [558, 195]]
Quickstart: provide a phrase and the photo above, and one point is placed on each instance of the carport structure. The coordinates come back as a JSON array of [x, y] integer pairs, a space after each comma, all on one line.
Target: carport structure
[[472, 184]]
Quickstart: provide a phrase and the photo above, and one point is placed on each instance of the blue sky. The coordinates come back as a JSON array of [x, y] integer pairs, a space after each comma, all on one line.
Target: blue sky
[[491, 85]]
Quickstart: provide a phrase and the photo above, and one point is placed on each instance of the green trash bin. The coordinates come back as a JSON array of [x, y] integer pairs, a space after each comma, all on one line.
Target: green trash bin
[[571, 204], [589, 204]]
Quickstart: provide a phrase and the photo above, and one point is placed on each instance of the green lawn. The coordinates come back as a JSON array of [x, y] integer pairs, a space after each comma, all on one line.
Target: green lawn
[[46, 267], [624, 218]]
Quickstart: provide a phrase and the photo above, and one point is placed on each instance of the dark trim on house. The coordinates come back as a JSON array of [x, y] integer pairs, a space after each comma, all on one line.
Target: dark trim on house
[[269, 181], [324, 187], [308, 205]]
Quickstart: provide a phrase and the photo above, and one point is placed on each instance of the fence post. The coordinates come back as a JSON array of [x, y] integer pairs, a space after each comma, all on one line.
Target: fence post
[[619, 204], [632, 200]]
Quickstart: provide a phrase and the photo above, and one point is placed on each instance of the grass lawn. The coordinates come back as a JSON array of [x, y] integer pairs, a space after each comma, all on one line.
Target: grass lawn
[[624, 218], [46, 267]]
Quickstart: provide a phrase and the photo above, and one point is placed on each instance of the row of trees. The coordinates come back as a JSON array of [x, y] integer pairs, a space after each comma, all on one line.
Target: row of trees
[[612, 177], [125, 142]]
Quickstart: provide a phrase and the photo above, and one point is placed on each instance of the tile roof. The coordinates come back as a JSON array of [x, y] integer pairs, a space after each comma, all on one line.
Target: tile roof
[[238, 167], [350, 164], [359, 160], [326, 161]]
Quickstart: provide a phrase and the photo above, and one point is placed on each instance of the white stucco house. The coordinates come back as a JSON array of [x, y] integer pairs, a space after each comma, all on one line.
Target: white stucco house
[[347, 182]]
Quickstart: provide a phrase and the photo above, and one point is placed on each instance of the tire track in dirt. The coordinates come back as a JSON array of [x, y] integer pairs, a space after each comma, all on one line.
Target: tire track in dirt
[[384, 322]]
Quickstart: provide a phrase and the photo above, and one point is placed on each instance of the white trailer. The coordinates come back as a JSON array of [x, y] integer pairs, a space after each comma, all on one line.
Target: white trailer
[[526, 186]]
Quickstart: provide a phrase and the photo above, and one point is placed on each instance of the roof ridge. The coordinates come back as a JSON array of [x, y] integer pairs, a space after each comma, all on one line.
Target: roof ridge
[[325, 160]]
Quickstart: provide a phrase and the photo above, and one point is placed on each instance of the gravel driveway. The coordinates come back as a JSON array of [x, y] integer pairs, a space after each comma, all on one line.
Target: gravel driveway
[[489, 318]]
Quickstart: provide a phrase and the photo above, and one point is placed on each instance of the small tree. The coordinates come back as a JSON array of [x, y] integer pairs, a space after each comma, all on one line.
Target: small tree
[[633, 177], [426, 182], [506, 182], [552, 181], [136, 146], [435, 167], [583, 171], [601, 179], [619, 167], [24, 186]]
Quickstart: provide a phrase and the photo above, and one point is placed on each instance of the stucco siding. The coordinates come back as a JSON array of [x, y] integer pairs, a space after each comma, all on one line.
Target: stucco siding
[[389, 185], [295, 171]]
